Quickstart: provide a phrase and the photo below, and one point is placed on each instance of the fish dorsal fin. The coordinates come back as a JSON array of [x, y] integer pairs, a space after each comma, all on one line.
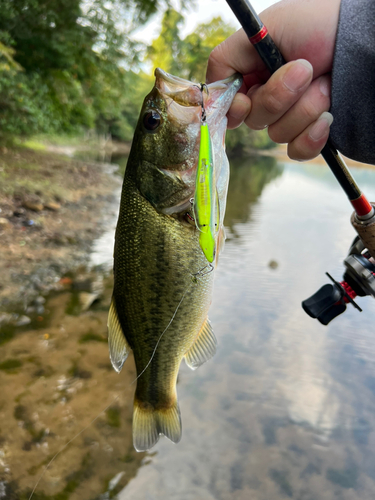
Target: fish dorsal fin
[[203, 348], [118, 345]]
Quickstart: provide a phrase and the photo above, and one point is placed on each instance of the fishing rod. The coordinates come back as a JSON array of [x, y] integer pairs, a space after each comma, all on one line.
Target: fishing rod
[[359, 276]]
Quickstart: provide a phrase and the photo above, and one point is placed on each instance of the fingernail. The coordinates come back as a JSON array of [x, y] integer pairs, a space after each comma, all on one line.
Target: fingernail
[[321, 127], [325, 85], [298, 75]]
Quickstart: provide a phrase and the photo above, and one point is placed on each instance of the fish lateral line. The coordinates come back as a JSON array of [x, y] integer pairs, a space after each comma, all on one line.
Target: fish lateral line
[[160, 337]]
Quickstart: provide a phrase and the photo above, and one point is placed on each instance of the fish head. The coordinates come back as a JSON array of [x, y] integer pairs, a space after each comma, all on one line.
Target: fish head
[[166, 141]]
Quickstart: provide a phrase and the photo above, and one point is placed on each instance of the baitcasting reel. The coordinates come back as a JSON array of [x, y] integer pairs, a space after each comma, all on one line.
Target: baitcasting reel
[[359, 279]]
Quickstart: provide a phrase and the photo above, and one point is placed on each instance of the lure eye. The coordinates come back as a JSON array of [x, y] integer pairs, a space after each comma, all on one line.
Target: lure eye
[[151, 120]]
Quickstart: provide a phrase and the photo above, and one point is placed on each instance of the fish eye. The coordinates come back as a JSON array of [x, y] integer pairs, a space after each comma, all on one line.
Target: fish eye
[[151, 120]]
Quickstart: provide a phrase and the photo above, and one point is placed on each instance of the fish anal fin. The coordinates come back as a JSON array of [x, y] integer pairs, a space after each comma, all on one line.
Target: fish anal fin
[[203, 348], [118, 345], [149, 423]]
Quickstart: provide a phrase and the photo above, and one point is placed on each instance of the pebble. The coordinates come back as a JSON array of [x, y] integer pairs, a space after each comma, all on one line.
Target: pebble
[[19, 212], [3, 222], [86, 300], [5, 318], [52, 206], [22, 321], [36, 206], [39, 300]]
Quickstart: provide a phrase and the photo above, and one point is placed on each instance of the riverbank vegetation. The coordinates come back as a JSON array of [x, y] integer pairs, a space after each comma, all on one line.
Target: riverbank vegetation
[[68, 68]]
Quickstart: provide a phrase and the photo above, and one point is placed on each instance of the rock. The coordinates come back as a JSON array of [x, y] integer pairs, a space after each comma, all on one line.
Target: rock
[[36, 206], [40, 310], [39, 300], [52, 206], [22, 321], [86, 300], [273, 264], [3, 222], [66, 281], [19, 212], [5, 318]]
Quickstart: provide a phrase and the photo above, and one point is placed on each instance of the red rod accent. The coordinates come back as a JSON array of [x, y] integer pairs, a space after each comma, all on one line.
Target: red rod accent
[[361, 205], [259, 36], [348, 290]]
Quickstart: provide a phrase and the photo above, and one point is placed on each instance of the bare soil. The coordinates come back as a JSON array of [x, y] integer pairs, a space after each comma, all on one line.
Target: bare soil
[[51, 210]]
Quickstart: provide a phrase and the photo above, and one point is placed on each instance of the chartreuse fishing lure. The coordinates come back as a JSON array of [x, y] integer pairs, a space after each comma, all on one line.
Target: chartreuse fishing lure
[[205, 193]]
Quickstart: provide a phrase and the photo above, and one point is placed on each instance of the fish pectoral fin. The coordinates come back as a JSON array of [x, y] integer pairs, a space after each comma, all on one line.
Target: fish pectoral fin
[[204, 347], [118, 345], [149, 423]]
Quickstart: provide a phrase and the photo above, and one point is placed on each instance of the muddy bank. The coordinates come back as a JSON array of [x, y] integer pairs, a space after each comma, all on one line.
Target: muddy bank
[[51, 209]]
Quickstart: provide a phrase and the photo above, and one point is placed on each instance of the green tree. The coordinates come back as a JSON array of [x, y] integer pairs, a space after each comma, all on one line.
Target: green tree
[[197, 47], [165, 50], [73, 56]]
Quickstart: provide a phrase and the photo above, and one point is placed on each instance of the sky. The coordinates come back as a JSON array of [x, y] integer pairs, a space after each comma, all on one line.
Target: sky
[[204, 11]]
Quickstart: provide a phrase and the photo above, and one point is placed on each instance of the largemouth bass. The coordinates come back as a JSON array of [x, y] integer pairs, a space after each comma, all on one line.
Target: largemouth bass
[[162, 279]]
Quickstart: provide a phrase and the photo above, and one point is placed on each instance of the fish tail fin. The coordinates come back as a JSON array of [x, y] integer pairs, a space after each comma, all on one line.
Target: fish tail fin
[[150, 422], [169, 422]]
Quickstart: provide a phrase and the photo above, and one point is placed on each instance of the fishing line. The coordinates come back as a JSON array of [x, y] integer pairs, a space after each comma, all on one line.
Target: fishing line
[[67, 444], [159, 339]]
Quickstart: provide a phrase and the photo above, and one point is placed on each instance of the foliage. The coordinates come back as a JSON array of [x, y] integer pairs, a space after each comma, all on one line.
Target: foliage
[[62, 64], [198, 45]]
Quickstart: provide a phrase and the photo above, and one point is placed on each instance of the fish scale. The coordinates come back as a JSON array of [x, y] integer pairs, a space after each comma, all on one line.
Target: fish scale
[[162, 288]]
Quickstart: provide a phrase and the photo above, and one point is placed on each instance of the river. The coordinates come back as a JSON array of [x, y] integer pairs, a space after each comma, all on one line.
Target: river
[[286, 408]]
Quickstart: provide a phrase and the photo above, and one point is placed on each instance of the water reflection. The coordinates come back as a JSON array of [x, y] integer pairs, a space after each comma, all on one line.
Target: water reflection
[[248, 176]]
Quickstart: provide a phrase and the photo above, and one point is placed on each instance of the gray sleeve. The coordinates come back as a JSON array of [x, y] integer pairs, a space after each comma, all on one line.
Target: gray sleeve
[[353, 81]]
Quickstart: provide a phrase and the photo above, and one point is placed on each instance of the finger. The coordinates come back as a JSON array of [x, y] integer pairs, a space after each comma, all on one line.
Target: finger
[[273, 99], [238, 111], [312, 140], [305, 111], [235, 54]]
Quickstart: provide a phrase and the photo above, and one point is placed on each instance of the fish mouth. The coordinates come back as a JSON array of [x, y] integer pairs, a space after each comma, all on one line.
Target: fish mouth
[[215, 97]]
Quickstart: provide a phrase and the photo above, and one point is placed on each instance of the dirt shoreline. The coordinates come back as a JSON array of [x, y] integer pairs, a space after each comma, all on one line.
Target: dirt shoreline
[[52, 208]]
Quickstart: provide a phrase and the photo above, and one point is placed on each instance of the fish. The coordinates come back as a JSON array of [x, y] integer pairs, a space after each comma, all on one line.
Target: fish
[[163, 281]]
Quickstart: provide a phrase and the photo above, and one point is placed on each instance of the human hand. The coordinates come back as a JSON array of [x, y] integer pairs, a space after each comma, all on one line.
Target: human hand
[[294, 101]]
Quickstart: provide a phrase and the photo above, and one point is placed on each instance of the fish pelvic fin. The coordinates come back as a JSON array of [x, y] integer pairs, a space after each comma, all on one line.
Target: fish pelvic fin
[[204, 347], [149, 423], [118, 345]]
